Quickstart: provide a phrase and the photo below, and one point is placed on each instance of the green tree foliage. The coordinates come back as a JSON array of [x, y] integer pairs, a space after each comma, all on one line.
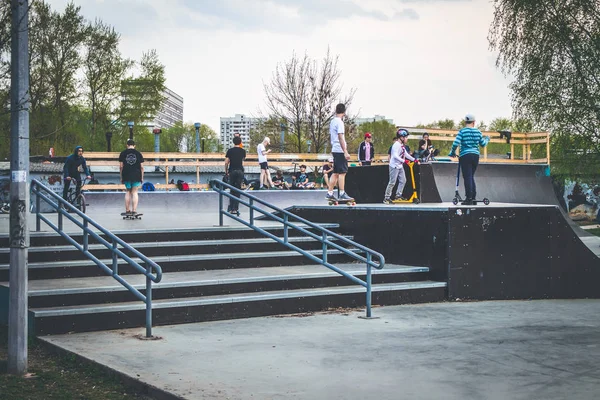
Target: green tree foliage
[[272, 128], [76, 71], [552, 49], [182, 137], [104, 68], [382, 136]]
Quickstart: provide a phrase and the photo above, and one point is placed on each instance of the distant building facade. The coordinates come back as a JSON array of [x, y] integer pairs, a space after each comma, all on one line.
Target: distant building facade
[[170, 112], [239, 124], [359, 121]]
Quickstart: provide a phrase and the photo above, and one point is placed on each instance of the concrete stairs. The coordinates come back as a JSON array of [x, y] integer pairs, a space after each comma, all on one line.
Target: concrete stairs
[[208, 274]]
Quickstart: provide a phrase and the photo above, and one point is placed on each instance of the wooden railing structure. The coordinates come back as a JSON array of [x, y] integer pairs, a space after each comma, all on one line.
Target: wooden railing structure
[[311, 160], [519, 139]]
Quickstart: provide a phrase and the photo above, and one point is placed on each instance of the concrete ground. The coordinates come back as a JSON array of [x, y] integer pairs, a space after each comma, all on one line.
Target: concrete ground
[[477, 350]]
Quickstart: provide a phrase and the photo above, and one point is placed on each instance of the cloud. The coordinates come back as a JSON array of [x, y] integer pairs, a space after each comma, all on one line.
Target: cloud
[[407, 13], [292, 16]]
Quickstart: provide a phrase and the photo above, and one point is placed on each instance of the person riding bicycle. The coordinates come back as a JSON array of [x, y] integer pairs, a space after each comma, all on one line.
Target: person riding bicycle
[[71, 171]]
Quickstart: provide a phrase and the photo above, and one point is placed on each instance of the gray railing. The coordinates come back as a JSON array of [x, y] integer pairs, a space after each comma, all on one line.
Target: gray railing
[[286, 218], [112, 243]]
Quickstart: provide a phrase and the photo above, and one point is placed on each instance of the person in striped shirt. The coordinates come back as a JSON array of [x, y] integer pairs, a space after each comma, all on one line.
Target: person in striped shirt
[[469, 139]]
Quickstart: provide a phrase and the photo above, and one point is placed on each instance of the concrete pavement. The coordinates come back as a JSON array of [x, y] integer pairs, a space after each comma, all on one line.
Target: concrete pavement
[[478, 350]]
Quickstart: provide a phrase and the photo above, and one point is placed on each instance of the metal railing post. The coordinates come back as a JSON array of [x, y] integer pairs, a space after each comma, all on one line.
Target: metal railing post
[[324, 239], [285, 228], [85, 235], [368, 285], [38, 202], [115, 259], [251, 212], [148, 301], [60, 217], [220, 206]]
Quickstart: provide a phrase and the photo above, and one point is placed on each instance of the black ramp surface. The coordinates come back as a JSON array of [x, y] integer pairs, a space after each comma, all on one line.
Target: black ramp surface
[[501, 183]]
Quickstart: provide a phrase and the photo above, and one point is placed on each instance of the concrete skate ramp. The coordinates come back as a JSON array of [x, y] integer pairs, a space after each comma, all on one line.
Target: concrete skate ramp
[[501, 183], [194, 202]]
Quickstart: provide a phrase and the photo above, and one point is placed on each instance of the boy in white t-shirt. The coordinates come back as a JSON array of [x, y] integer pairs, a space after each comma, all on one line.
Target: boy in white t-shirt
[[340, 155], [265, 176]]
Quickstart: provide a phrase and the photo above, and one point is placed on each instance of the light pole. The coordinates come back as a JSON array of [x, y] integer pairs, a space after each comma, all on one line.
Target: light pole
[[108, 138], [130, 124], [157, 132], [197, 126], [309, 142], [203, 139], [282, 144]]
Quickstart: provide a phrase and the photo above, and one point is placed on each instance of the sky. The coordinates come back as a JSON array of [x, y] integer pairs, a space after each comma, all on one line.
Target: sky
[[415, 61]]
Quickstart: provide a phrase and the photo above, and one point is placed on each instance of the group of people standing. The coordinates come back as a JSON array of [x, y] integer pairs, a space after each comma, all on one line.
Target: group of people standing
[[469, 139]]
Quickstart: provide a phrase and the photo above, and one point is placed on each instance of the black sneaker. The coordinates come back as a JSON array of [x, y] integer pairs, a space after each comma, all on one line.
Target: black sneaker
[[468, 202]]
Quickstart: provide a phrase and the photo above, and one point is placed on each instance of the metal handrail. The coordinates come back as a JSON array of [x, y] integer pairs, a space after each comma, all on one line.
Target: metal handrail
[[323, 235], [59, 204]]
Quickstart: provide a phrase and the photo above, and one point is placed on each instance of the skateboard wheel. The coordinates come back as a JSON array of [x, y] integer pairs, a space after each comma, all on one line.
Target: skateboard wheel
[[486, 201], [455, 201], [416, 201]]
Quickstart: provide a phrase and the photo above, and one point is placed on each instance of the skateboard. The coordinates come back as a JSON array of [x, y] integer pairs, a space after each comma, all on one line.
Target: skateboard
[[131, 216], [337, 202]]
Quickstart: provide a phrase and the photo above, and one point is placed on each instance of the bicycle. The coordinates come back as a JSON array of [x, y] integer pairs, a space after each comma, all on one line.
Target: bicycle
[[4, 196], [77, 200]]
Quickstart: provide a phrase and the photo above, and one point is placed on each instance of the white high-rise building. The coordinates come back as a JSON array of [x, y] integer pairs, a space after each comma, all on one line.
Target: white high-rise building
[[359, 121], [170, 112], [238, 124]]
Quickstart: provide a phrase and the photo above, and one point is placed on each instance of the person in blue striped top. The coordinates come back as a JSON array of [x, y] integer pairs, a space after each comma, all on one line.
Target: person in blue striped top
[[469, 139]]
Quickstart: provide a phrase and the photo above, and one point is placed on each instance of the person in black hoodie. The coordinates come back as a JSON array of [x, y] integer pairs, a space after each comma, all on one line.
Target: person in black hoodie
[[71, 171]]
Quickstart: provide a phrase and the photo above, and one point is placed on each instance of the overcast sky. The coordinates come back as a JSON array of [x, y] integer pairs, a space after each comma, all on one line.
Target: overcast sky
[[411, 60]]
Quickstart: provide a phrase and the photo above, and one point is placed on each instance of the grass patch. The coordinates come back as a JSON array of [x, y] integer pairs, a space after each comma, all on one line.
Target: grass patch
[[58, 377], [595, 231]]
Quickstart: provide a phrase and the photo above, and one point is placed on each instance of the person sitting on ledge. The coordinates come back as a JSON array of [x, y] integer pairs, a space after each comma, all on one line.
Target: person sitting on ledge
[[301, 180], [279, 181]]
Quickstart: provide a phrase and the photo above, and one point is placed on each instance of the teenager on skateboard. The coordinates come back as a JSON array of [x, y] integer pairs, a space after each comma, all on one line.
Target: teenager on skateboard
[[340, 154], [132, 176]]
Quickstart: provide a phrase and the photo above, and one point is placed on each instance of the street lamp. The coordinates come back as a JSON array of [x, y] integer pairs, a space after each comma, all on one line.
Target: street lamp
[[157, 132], [282, 144], [108, 137], [203, 139], [197, 126], [309, 142], [130, 124]]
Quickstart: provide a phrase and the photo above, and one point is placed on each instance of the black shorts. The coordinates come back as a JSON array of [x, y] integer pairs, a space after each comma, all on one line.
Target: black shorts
[[264, 165], [340, 164]]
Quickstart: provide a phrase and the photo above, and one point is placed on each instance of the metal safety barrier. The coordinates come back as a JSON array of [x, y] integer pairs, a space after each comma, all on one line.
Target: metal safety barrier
[[112, 243], [287, 218]]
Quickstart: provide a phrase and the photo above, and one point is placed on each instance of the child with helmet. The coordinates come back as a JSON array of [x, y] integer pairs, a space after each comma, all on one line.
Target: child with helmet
[[398, 157]]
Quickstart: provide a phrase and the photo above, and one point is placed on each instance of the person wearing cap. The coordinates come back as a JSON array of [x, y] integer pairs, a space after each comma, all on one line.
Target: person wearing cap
[[398, 157], [132, 175], [366, 150], [469, 139], [265, 175], [327, 171], [340, 154], [71, 171]]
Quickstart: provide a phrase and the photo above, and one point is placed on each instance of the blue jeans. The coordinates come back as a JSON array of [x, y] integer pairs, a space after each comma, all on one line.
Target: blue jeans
[[468, 165]]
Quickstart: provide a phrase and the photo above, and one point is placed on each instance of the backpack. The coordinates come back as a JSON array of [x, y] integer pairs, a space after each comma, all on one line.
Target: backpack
[[148, 187], [183, 186]]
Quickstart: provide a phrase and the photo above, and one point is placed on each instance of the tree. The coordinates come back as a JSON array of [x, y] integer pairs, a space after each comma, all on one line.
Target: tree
[[552, 49], [104, 68], [302, 93], [272, 128], [182, 137], [383, 132], [501, 124], [325, 92], [142, 97], [288, 93]]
